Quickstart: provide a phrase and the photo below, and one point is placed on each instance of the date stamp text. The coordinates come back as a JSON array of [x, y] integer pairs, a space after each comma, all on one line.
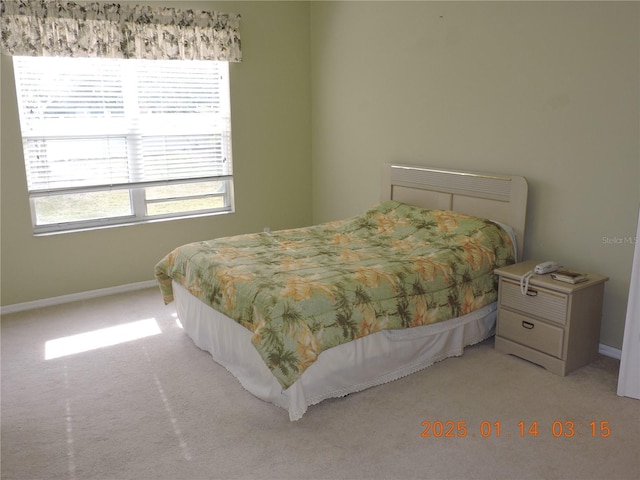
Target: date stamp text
[[497, 429]]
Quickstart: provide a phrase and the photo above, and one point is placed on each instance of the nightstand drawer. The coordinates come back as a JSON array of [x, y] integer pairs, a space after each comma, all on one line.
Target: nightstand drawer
[[540, 302], [531, 333]]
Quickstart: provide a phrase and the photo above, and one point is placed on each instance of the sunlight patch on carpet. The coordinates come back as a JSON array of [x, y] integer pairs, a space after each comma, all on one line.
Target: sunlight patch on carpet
[[104, 337]]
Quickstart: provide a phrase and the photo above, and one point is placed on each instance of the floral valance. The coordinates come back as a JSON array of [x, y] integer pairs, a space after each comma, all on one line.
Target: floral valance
[[70, 29]]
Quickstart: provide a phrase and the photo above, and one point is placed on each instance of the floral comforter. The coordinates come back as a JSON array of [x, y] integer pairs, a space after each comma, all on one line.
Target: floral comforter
[[302, 291]]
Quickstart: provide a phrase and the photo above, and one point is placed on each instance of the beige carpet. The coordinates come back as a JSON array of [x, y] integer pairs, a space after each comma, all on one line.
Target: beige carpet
[[160, 408]]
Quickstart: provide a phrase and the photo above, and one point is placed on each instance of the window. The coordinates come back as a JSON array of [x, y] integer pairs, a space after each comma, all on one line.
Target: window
[[119, 141]]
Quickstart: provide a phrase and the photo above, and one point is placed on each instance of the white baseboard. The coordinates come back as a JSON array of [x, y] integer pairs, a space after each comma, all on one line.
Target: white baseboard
[[608, 351], [74, 297]]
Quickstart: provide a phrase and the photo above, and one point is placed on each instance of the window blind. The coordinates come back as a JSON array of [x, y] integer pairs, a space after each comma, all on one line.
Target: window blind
[[94, 124]]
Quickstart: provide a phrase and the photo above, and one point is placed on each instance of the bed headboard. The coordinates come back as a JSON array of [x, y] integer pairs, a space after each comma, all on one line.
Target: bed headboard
[[501, 198]]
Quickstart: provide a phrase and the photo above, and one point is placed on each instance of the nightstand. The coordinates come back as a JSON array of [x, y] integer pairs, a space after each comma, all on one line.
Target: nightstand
[[555, 324]]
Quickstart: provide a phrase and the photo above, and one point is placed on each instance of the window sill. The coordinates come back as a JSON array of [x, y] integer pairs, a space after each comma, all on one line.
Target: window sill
[[127, 224]]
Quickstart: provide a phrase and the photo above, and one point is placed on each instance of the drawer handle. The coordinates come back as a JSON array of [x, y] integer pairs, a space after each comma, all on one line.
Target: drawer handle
[[528, 325], [532, 293]]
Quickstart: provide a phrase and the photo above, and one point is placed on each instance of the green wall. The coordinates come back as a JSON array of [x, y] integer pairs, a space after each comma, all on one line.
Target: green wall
[[547, 90], [270, 101]]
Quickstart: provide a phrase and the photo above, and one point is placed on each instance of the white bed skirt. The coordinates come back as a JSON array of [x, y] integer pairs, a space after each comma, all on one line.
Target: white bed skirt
[[368, 361]]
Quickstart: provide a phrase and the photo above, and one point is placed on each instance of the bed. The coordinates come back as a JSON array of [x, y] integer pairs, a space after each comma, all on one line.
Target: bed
[[299, 316]]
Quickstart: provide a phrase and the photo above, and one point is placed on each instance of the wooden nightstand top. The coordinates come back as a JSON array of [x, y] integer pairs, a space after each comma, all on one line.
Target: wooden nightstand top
[[517, 270]]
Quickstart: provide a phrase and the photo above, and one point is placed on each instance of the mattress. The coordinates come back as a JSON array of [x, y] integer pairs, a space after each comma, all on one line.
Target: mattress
[[303, 315]]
